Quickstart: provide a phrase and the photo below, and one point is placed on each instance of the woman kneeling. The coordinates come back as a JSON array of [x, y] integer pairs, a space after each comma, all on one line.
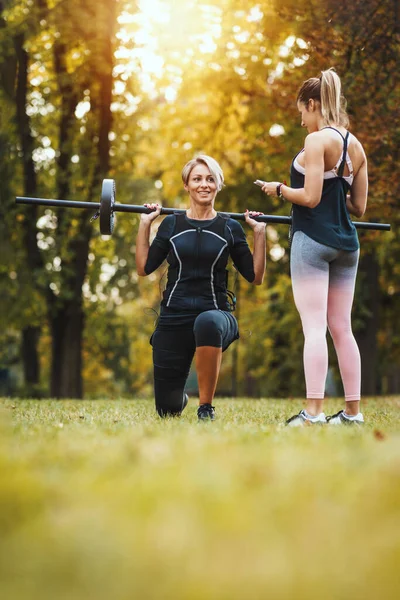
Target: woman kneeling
[[195, 316]]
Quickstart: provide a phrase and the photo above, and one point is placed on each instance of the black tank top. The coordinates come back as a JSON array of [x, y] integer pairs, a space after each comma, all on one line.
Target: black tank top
[[329, 222]]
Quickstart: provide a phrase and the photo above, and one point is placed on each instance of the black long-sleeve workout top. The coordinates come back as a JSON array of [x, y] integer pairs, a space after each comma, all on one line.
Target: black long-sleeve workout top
[[197, 253]]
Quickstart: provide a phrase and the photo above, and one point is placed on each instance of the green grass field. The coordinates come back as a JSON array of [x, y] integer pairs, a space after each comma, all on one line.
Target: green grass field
[[103, 500]]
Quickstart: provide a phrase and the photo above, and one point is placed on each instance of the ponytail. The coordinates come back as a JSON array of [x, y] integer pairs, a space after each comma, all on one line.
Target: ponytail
[[326, 90], [333, 104]]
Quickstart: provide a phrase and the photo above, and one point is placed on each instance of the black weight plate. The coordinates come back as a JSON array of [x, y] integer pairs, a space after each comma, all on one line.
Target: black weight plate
[[107, 201]]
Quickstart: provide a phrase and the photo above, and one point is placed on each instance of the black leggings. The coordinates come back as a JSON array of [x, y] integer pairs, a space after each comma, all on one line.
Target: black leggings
[[173, 351]]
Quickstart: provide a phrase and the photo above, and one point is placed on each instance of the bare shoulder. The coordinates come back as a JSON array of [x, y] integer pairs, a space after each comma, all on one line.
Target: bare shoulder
[[314, 140], [357, 152], [356, 142]]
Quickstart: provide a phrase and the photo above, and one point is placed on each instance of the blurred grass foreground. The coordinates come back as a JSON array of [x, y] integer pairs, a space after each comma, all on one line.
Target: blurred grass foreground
[[104, 500]]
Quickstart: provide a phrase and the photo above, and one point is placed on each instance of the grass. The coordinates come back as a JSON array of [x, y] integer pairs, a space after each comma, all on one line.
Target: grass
[[103, 500]]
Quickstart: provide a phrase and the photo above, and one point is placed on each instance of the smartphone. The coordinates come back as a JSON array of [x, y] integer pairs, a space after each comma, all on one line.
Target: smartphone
[[259, 182]]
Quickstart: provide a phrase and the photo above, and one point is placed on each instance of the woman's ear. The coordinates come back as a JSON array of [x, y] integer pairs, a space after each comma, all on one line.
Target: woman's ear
[[311, 105]]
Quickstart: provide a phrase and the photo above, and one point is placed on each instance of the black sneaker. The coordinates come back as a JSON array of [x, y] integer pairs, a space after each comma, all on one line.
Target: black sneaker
[[341, 418], [303, 419], [206, 412]]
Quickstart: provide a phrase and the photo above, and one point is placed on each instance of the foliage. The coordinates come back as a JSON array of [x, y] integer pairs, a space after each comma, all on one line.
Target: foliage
[[230, 106], [227, 87]]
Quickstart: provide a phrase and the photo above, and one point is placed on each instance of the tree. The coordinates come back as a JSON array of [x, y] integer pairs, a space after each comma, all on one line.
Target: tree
[[231, 104], [228, 87], [75, 57]]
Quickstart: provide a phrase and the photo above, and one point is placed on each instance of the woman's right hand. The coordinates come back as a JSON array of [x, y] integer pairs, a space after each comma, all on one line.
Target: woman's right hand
[[256, 226], [143, 235], [150, 217]]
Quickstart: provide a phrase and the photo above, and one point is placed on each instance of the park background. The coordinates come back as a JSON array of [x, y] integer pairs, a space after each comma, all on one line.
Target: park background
[[132, 91], [102, 499]]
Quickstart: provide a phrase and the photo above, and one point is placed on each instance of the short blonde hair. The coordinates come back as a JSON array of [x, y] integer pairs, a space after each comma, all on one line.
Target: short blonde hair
[[210, 163]]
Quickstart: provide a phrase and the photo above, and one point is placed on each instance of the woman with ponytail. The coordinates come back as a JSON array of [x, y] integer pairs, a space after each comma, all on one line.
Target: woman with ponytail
[[329, 182]]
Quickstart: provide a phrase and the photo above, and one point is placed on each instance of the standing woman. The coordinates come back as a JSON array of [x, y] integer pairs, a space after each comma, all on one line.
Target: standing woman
[[329, 182], [195, 314]]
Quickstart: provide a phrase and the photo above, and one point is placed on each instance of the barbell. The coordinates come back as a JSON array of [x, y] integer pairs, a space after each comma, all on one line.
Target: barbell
[[106, 208]]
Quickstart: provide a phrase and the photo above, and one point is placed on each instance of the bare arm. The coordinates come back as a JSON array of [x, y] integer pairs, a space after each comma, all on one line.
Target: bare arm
[[356, 201], [143, 238], [259, 252], [310, 194]]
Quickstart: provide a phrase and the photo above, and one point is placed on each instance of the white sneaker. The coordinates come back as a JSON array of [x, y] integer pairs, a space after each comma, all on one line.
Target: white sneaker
[[341, 418], [304, 419]]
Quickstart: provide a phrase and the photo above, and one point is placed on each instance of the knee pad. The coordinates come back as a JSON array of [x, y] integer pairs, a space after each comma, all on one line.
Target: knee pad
[[208, 330]]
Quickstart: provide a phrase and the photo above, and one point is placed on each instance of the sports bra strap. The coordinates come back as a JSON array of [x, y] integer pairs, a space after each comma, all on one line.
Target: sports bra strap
[[334, 129], [342, 164]]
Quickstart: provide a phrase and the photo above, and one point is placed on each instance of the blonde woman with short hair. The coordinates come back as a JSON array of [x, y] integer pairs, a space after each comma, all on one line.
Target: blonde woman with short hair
[[196, 317]]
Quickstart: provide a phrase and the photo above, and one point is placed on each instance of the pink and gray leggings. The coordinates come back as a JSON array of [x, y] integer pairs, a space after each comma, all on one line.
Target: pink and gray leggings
[[323, 280]]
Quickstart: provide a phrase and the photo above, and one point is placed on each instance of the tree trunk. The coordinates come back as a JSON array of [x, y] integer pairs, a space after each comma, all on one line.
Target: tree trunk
[[66, 311], [67, 321], [66, 367], [235, 350], [30, 357], [367, 336], [393, 380], [31, 333]]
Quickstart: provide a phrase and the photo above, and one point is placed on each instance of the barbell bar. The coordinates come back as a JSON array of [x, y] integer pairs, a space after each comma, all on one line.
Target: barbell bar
[[106, 208]]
